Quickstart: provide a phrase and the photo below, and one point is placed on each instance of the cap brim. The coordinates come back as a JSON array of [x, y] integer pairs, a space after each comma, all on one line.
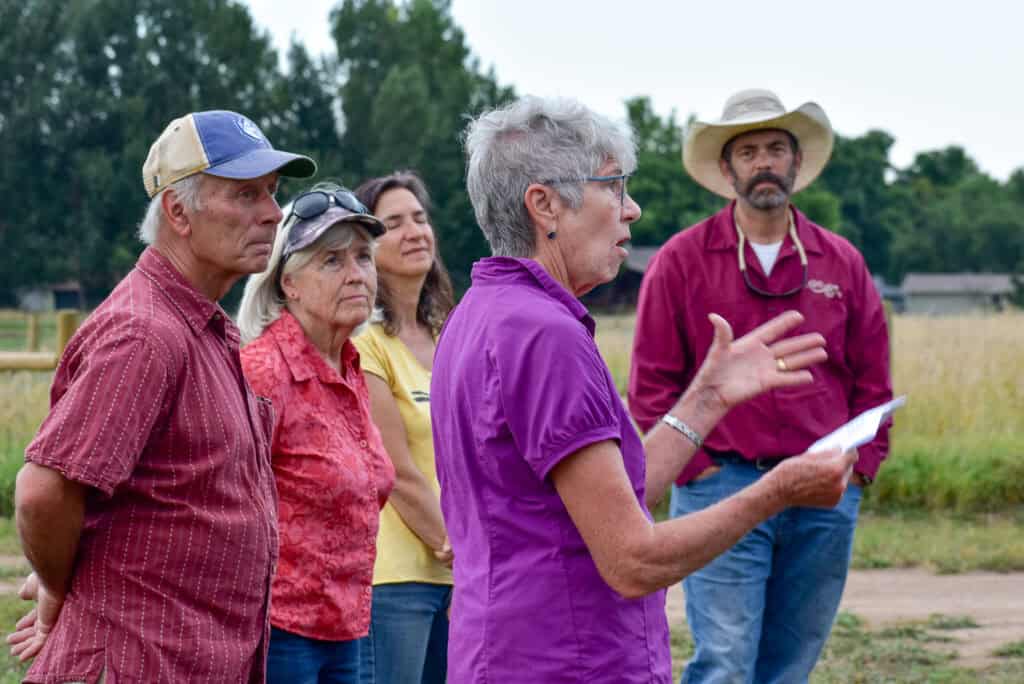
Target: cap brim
[[702, 147], [263, 161], [329, 219]]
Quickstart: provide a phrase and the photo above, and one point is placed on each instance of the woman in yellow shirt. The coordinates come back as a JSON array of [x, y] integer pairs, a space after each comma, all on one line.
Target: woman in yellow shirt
[[412, 579]]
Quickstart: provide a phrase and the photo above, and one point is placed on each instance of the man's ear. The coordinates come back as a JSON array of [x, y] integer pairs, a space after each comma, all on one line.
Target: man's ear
[[726, 169], [175, 215], [798, 160]]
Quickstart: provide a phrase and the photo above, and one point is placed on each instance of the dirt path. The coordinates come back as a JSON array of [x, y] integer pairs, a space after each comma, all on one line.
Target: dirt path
[[884, 597]]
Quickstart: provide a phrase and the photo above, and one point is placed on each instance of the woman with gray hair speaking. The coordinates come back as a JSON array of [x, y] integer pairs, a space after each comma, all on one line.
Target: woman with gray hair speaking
[[546, 487], [332, 472]]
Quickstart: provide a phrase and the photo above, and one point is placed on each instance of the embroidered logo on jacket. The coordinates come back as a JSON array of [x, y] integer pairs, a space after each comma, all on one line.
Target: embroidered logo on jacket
[[830, 290]]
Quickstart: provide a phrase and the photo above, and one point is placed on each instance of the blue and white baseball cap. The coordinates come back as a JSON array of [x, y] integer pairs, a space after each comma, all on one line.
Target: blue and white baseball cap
[[220, 143]]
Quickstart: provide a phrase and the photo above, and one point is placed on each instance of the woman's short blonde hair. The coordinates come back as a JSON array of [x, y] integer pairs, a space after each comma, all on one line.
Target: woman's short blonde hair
[[263, 298]]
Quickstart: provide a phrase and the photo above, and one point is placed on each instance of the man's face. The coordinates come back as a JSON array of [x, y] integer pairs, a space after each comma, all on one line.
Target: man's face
[[762, 168], [233, 231]]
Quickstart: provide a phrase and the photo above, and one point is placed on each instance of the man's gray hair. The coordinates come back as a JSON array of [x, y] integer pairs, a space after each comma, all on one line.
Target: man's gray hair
[[263, 300], [535, 140], [188, 191]]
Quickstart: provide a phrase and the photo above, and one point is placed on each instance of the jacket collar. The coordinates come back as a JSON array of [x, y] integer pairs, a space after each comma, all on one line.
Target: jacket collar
[[197, 310], [303, 359], [721, 235], [513, 269]]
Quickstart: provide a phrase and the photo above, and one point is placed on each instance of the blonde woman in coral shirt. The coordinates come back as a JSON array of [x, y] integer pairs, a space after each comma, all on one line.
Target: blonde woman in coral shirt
[[332, 473]]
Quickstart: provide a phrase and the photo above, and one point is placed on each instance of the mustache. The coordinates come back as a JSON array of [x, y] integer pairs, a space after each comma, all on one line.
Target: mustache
[[766, 177]]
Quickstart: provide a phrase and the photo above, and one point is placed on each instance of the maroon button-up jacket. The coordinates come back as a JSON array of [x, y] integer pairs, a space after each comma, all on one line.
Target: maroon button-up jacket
[[696, 273], [149, 409]]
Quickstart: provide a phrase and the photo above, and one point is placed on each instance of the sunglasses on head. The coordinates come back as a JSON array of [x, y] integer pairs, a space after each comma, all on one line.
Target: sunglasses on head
[[315, 202], [310, 205]]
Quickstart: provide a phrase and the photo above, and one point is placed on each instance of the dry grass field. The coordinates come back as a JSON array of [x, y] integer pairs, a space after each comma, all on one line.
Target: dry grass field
[[959, 443], [963, 375]]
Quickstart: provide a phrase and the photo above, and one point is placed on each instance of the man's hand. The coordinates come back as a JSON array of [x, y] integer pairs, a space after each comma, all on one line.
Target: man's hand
[[817, 480], [32, 630], [737, 370]]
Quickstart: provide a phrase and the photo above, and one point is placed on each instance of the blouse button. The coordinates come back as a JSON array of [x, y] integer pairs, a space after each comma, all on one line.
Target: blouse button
[[363, 443]]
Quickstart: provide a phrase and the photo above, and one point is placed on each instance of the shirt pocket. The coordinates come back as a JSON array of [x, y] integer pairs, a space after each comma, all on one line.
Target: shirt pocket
[[304, 433], [806, 413], [827, 316]]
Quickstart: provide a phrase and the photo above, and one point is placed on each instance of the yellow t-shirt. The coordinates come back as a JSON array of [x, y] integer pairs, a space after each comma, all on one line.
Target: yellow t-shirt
[[401, 556]]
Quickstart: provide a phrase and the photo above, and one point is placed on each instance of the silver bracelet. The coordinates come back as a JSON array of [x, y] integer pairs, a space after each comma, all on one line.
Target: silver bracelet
[[686, 430]]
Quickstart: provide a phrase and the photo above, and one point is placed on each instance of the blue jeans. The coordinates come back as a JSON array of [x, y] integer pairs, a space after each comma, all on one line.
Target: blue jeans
[[408, 640], [294, 659], [762, 611]]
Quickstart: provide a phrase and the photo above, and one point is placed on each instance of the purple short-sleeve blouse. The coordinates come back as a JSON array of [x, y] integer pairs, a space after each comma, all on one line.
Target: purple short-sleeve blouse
[[518, 385]]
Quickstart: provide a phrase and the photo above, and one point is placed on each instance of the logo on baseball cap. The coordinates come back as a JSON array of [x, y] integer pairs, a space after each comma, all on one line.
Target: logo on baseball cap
[[220, 143]]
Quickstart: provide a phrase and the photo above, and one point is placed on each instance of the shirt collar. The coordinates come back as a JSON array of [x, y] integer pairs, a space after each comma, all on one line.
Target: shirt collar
[[500, 270], [303, 359], [197, 310], [722, 235]]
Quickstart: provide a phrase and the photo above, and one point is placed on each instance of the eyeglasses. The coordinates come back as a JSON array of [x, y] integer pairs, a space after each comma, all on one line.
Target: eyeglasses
[[743, 262], [620, 179]]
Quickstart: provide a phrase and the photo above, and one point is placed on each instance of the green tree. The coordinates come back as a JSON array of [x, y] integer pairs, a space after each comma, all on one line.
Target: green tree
[[103, 77], [857, 175], [669, 198], [302, 118], [955, 218], [825, 209], [402, 116], [33, 55], [408, 83]]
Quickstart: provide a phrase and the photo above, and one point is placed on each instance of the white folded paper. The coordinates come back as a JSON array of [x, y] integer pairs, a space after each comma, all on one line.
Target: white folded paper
[[860, 430]]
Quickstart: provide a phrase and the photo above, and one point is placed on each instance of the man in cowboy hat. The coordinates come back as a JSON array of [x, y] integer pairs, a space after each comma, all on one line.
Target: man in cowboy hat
[[762, 611]]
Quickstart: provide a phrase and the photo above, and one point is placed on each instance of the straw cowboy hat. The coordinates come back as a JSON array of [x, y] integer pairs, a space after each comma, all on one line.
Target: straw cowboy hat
[[751, 110]]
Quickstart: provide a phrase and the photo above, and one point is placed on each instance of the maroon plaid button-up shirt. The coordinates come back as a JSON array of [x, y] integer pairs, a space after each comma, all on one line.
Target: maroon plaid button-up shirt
[[149, 408]]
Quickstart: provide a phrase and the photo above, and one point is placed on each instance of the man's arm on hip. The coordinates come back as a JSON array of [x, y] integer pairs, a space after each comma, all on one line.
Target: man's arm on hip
[[49, 509]]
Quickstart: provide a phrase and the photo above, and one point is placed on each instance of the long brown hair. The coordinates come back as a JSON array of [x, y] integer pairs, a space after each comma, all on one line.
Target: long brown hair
[[437, 298]]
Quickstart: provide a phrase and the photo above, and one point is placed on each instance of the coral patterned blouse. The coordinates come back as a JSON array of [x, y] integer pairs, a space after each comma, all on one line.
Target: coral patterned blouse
[[333, 476]]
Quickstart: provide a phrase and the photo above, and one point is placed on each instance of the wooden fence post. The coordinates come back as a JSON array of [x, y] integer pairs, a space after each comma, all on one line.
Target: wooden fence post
[[67, 323], [32, 333]]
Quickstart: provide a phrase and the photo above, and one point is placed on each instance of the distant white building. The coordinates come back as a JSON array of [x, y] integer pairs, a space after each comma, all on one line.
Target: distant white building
[[956, 293], [66, 295]]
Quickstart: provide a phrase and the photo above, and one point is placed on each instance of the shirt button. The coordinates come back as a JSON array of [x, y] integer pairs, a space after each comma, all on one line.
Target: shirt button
[[363, 443]]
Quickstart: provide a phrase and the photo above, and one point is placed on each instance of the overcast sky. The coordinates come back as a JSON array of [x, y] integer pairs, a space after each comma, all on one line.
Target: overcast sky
[[931, 74]]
